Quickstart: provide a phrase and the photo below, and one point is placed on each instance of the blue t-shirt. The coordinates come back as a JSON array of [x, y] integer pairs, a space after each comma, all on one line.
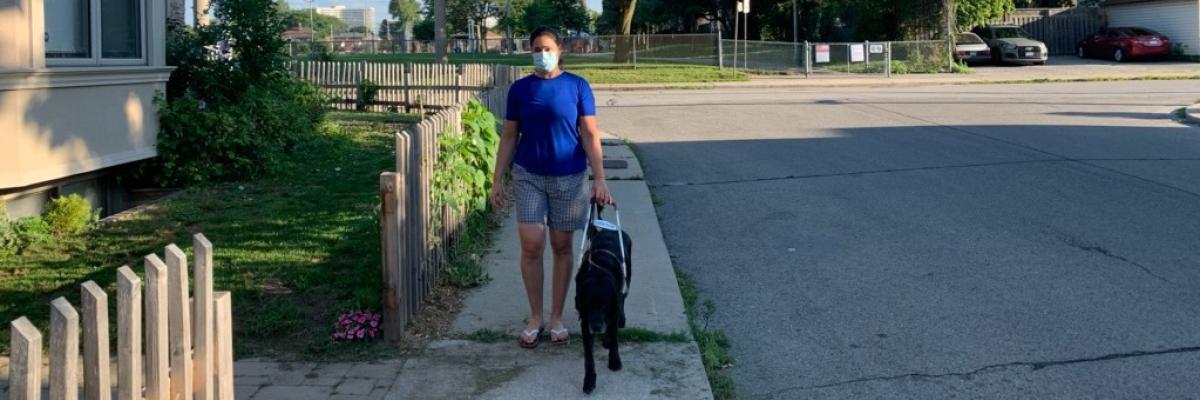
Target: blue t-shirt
[[547, 112]]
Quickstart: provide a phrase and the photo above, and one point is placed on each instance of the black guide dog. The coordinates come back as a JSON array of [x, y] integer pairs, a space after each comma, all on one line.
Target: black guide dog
[[600, 290]]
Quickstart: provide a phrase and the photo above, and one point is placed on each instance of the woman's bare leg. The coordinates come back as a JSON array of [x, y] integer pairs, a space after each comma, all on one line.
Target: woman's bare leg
[[561, 245], [533, 245]]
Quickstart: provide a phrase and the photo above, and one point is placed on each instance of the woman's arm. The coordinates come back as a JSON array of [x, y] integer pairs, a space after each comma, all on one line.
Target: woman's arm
[[508, 145], [589, 134]]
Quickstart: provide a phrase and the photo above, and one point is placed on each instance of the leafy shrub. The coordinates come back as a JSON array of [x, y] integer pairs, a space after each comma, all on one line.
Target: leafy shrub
[[31, 231], [240, 138], [8, 237], [70, 215], [365, 94], [234, 115]]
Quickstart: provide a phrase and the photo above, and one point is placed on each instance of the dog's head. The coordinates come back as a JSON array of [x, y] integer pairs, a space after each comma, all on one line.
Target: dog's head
[[597, 289]]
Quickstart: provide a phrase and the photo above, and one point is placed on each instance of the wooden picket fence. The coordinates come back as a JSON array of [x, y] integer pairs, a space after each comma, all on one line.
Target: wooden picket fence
[[188, 342], [414, 254], [406, 87]]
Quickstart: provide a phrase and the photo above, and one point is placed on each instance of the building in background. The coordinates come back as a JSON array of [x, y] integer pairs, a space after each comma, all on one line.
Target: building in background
[[353, 17]]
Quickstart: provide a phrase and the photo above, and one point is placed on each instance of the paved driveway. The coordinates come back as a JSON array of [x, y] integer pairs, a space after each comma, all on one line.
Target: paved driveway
[[1009, 241]]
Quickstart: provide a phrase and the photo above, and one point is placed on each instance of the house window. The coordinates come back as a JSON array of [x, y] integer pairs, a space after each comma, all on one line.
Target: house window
[[95, 32], [68, 29], [120, 29]]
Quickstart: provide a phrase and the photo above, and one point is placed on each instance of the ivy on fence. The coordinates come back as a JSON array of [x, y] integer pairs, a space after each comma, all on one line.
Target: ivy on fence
[[460, 178]]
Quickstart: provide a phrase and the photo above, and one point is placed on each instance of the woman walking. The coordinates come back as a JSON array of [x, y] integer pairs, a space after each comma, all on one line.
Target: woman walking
[[550, 138]]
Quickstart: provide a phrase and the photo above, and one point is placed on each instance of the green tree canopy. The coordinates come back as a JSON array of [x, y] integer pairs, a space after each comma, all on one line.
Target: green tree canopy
[[321, 24], [557, 14], [405, 11], [973, 13]]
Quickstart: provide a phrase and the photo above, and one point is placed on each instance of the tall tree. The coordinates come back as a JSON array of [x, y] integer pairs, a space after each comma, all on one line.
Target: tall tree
[[176, 13], [625, 9], [557, 14], [406, 13], [439, 32]]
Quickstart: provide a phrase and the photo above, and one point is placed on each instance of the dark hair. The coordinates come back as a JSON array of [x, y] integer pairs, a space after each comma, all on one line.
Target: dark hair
[[545, 31]]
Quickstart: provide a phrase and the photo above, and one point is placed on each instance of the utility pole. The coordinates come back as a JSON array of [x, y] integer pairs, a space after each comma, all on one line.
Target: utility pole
[[746, 35], [948, 6], [795, 23], [737, 23], [508, 38], [312, 29]]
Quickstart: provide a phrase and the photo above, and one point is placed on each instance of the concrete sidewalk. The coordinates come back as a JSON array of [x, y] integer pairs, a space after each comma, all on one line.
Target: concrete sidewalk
[[492, 366]]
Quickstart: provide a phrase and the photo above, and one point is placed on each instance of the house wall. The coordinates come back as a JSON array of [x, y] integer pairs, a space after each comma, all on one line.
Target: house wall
[[1179, 20], [60, 125]]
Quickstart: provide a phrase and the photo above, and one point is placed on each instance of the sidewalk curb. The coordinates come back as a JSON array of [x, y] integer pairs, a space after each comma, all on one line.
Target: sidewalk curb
[[934, 80]]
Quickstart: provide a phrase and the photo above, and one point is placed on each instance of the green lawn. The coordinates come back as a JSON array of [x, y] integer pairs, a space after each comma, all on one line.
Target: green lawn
[[295, 249], [596, 72]]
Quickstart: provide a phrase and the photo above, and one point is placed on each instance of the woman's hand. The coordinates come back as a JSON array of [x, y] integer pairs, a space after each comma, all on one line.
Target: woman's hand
[[600, 193], [497, 195]]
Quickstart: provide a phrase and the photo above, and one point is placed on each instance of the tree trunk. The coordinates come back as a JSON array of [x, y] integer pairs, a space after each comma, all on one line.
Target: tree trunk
[[439, 32], [176, 11], [625, 9]]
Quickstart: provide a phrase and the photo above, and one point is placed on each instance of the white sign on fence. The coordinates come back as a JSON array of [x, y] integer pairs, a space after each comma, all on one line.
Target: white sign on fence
[[876, 49], [822, 53], [857, 53]]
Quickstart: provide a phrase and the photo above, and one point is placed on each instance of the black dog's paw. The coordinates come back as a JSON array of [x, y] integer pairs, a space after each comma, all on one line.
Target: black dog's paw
[[589, 383], [614, 364]]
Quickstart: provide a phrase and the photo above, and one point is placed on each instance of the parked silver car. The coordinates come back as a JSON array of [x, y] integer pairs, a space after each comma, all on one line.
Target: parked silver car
[[1011, 44], [969, 48]]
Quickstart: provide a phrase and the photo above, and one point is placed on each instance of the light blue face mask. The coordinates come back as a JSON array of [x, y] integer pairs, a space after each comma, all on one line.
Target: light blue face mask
[[545, 61]]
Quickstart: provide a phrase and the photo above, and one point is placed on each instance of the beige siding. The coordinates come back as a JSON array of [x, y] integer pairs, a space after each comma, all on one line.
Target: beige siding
[[1179, 20], [53, 132]]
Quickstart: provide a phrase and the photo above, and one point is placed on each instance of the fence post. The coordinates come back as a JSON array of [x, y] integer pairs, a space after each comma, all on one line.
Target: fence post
[[180, 324], [223, 349], [25, 371], [95, 343], [64, 350], [129, 334], [406, 73], [157, 353], [389, 195], [203, 325], [807, 59], [887, 58]]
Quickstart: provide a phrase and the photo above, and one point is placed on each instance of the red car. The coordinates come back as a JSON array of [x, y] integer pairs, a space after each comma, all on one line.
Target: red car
[[1121, 44]]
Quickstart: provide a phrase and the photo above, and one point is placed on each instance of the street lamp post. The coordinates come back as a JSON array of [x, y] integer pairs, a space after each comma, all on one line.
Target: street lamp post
[[312, 29]]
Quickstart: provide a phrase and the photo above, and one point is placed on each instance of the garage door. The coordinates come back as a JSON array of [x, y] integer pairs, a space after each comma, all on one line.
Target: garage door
[[1179, 20]]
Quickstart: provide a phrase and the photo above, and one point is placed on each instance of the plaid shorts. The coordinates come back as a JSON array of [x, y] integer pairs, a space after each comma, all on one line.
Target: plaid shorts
[[559, 202]]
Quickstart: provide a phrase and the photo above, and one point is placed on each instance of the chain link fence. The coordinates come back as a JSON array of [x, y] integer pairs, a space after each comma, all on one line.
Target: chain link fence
[[763, 57]]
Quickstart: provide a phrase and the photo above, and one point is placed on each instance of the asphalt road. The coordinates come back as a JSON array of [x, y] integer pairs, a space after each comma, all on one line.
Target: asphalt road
[[1007, 241]]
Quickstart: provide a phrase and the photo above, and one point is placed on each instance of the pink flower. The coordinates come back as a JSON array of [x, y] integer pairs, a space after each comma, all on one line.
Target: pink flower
[[374, 323], [372, 333], [360, 334], [362, 319]]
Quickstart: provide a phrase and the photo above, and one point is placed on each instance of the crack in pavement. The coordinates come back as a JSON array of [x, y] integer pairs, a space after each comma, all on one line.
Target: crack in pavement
[[1032, 365], [892, 170], [1106, 253]]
